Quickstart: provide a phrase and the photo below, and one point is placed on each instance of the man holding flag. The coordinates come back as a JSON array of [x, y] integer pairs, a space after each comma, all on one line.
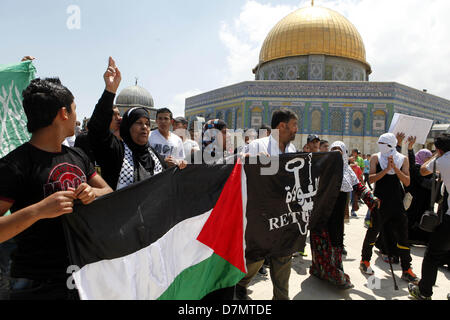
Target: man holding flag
[[41, 179], [285, 123]]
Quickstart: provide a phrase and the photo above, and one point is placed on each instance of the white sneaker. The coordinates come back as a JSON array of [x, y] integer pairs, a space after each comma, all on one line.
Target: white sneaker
[[366, 269]]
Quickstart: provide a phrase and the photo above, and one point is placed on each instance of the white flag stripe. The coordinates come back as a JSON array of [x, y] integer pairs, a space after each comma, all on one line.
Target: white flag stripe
[[147, 273]]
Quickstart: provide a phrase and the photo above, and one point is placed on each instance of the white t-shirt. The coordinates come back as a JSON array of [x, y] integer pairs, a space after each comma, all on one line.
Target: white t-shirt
[[270, 146], [167, 147], [443, 166], [69, 142], [188, 146]]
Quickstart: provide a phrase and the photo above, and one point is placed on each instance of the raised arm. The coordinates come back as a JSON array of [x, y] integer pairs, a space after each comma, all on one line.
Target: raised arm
[[403, 172], [400, 137], [99, 124], [411, 155], [424, 169]]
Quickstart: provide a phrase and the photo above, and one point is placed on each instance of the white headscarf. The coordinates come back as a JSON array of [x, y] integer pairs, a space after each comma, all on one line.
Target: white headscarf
[[389, 149], [349, 178]]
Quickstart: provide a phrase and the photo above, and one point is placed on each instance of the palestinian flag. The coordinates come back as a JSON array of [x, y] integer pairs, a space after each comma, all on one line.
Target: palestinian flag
[[176, 236], [180, 234]]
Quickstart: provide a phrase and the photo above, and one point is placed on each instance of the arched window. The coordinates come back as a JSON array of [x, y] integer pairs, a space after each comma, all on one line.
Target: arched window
[[239, 119], [379, 122], [299, 114], [358, 122], [316, 121], [292, 73], [336, 122], [273, 76], [256, 117], [229, 119]]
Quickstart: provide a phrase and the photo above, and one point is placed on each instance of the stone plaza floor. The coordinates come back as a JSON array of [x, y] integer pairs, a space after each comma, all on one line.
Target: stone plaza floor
[[303, 286]]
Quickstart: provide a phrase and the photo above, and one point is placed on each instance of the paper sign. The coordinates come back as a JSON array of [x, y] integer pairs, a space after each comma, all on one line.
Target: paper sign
[[411, 127]]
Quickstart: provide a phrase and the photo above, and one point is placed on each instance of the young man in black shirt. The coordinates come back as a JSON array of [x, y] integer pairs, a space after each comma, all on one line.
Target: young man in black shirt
[[39, 183]]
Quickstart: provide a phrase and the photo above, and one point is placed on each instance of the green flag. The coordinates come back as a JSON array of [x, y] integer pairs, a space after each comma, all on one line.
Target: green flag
[[14, 79]]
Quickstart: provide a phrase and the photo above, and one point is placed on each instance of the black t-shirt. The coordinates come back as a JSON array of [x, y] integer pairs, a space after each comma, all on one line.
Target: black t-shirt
[[82, 142], [390, 191], [29, 175]]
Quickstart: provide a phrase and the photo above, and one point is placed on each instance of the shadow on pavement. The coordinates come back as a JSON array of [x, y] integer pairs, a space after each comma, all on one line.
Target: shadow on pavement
[[301, 265], [349, 260], [260, 278], [446, 273], [386, 288], [315, 289], [379, 262]]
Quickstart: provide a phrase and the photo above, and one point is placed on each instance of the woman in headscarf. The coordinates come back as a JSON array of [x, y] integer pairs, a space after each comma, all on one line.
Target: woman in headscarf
[[129, 159], [420, 190], [327, 243]]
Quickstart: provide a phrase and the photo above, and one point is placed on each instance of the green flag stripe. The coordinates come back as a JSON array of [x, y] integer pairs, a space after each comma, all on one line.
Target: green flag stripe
[[197, 281]]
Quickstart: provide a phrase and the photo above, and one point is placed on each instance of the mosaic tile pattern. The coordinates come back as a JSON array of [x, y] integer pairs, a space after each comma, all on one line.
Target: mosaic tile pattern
[[357, 109]]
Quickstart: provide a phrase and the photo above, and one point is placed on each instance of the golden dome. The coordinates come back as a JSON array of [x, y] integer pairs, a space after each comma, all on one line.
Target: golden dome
[[314, 30]]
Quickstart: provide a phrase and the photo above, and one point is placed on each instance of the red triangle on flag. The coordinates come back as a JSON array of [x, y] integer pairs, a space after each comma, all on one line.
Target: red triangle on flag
[[224, 230]]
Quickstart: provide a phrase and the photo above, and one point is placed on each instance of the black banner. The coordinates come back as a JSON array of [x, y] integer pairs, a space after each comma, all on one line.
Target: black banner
[[282, 207]]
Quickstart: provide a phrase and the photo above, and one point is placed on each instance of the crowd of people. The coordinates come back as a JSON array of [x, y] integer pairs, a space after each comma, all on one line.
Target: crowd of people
[[116, 151]]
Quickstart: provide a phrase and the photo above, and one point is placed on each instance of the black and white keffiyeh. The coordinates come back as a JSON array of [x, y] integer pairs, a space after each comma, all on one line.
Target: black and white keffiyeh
[[127, 174], [158, 166], [349, 178], [139, 161]]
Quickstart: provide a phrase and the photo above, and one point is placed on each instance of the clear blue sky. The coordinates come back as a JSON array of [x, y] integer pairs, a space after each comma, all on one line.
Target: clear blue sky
[[168, 45]]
